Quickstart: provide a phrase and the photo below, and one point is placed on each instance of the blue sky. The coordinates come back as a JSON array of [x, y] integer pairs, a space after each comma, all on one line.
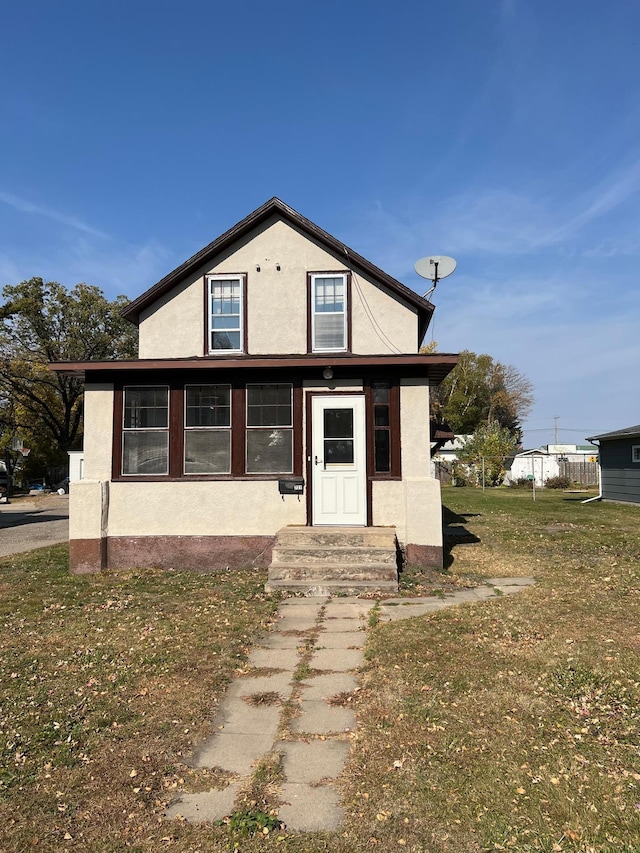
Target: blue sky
[[505, 133]]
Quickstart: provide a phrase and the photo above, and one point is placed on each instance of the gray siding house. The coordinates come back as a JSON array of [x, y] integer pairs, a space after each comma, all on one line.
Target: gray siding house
[[620, 464]]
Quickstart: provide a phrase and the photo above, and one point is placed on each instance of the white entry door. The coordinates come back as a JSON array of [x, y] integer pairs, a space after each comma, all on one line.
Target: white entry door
[[338, 460]]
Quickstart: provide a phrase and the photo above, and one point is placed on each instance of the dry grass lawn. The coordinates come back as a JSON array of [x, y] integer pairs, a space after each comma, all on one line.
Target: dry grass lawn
[[511, 724]]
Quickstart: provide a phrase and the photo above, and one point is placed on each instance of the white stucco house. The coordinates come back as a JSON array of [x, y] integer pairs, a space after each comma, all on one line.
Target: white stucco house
[[278, 384]]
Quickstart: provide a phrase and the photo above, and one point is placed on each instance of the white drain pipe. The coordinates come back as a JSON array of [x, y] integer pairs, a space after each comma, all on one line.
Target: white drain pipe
[[598, 497]]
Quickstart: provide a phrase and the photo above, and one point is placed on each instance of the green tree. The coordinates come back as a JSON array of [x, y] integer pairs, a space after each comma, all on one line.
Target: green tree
[[486, 451], [480, 390], [44, 322]]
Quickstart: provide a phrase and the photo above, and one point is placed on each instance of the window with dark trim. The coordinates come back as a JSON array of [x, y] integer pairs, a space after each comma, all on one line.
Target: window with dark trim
[[269, 429], [384, 421], [635, 453], [207, 429], [145, 430], [225, 294], [329, 318]]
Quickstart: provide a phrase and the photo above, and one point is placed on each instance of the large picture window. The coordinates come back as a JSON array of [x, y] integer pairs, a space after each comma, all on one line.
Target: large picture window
[[205, 430], [145, 430], [269, 429], [207, 436], [329, 312], [226, 313]]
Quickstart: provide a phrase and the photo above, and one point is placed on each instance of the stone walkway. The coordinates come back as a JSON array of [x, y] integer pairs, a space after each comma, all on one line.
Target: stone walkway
[[309, 663]]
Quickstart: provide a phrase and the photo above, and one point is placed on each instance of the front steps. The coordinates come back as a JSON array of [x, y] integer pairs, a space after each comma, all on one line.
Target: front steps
[[334, 560]]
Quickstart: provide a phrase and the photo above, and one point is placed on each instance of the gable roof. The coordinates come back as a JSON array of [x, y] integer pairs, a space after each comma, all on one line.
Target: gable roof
[[628, 432], [424, 308]]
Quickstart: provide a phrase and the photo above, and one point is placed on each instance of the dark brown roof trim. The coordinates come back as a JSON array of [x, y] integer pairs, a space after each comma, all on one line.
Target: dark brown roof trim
[[352, 259], [434, 365]]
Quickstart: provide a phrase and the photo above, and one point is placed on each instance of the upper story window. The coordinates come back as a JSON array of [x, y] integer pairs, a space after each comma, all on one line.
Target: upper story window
[[635, 453], [226, 313], [145, 430], [329, 312]]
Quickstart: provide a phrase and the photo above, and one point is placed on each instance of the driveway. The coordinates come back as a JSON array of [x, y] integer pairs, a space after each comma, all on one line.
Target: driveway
[[33, 522]]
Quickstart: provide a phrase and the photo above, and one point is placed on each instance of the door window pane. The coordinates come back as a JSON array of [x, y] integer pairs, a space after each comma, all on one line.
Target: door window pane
[[338, 423], [338, 437]]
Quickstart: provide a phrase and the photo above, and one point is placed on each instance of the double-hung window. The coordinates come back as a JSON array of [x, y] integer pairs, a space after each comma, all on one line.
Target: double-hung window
[[269, 429], [226, 313], [145, 430], [207, 433], [329, 312], [635, 453]]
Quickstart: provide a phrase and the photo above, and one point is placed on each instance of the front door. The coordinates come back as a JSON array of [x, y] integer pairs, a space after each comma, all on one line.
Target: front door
[[338, 460]]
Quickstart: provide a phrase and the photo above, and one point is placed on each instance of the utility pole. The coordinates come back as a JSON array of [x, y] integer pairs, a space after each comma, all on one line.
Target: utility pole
[[555, 429]]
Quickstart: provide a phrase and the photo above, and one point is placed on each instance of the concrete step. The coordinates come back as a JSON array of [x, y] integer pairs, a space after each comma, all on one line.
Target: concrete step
[[369, 537], [333, 571], [334, 554], [342, 558], [311, 588]]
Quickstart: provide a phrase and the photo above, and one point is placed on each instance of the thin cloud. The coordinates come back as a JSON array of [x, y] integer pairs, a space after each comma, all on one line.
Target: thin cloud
[[24, 206]]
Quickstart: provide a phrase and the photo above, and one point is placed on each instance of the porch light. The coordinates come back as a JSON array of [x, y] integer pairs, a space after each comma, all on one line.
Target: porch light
[[328, 373]]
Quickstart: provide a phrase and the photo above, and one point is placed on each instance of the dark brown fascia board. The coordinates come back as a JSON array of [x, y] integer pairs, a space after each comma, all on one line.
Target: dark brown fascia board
[[434, 365], [132, 311]]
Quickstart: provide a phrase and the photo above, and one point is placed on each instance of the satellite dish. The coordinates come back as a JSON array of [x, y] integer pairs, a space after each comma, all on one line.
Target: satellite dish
[[435, 267]]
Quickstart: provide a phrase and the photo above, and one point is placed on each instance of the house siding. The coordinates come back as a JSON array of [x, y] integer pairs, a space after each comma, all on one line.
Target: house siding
[[620, 476], [277, 301], [195, 523]]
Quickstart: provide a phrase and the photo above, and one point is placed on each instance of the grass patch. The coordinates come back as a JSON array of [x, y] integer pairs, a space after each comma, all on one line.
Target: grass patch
[[511, 724], [508, 724]]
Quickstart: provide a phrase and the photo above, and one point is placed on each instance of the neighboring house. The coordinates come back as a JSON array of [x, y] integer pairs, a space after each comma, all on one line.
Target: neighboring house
[[619, 464], [279, 383]]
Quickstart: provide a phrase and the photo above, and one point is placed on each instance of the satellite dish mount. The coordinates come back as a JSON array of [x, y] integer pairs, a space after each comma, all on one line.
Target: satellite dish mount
[[434, 268]]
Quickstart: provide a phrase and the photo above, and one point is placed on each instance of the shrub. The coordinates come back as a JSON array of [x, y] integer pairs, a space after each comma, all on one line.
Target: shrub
[[520, 483], [558, 483]]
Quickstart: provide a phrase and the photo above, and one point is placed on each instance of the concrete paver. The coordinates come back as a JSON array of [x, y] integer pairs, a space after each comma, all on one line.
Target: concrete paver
[[314, 760], [278, 682], [344, 624], [310, 808], [281, 641], [205, 806], [239, 717], [286, 659], [235, 752], [341, 640], [320, 718], [327, 686], [337, 659], [309, 802]]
